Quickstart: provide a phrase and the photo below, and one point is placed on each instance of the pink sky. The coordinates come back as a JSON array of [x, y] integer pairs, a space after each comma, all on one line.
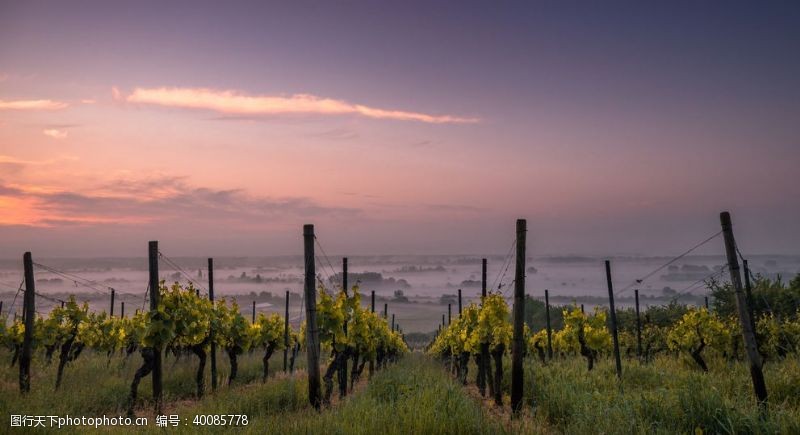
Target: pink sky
[[115, 131]]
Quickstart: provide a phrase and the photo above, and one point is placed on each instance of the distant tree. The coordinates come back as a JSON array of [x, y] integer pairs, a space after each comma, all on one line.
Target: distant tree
[[448, 299], [769, 297], [399, 296], [536, 315]]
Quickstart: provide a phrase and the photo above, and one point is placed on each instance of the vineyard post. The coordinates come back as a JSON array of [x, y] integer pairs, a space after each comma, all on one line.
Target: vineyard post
[[582, 310], [343, 367], [518, 343], [639, 325], [613, 314], [213, 344], [152, 252], [385, 311], [706, 298], [29, 316], [344, 275], [253, 320], [372, 360], [748, 335], [484, 348], [1, 308], [449, 314], [392, 321], [312, 332], [459, 302], [121, 309], [748, 290], [549, 329], [112, 303], [286, 335], [444, 325]]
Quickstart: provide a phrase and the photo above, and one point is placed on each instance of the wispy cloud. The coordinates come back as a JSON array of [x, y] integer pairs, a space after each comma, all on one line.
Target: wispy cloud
[[10, 160], [336, 134], [55, 133], [230, 102], [164, 199], [32, 105]]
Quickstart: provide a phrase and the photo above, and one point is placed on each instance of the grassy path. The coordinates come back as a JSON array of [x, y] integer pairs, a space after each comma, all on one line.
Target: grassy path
[[412, 396]]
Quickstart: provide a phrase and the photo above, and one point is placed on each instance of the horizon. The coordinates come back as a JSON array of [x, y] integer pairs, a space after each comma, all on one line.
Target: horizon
[[396, 128]]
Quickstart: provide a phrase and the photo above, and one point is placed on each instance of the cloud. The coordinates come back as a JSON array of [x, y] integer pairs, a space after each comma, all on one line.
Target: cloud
[[230, 102], [336, 134], [14, 163], [454, 208], [32, 105], [152, 200], [55, 133]]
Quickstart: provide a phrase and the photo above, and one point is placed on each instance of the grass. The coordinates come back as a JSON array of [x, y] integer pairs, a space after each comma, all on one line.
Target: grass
[[665, 396], [93, 387], [416, 395], [411, 396]]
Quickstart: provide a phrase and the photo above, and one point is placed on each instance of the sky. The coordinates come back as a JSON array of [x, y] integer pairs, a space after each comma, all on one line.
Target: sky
[[220, 128]]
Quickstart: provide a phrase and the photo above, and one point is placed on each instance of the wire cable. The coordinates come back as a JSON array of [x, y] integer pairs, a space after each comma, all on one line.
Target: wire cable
[[659, 268]]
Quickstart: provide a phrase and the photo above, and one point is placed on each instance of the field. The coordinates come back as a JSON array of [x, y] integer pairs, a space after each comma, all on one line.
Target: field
[[418, 395]]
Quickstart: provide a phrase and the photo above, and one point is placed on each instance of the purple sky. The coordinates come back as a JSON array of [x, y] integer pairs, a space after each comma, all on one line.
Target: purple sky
[[412, 127]]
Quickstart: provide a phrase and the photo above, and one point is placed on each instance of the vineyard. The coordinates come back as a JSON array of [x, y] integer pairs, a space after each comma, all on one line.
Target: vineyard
[[731, 366]]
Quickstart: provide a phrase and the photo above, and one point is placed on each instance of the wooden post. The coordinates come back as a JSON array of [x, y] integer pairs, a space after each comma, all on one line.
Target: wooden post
[[253, 319], [483, 362], [372, 359], [613, 315], [518, 343], [286, 335], [443, 321], [1, 308], [549, 328], [342, 375], [155, 294], [483, 278], [62, 304], [121, 309], [706, 298], [112, 303], [213, 345], [748, 292], [312, 331], [449, 314], [29, 317], [392, 321], [344, 276], [748, 334], [582, 310], [638, 326], [459, 302], [386, 311]]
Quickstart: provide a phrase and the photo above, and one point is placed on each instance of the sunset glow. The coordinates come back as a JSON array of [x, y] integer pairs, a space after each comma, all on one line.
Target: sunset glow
[[395, 130]]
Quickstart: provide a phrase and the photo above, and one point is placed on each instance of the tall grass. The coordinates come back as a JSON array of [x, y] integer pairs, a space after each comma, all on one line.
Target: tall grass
[[93, 385], [664, 396]]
